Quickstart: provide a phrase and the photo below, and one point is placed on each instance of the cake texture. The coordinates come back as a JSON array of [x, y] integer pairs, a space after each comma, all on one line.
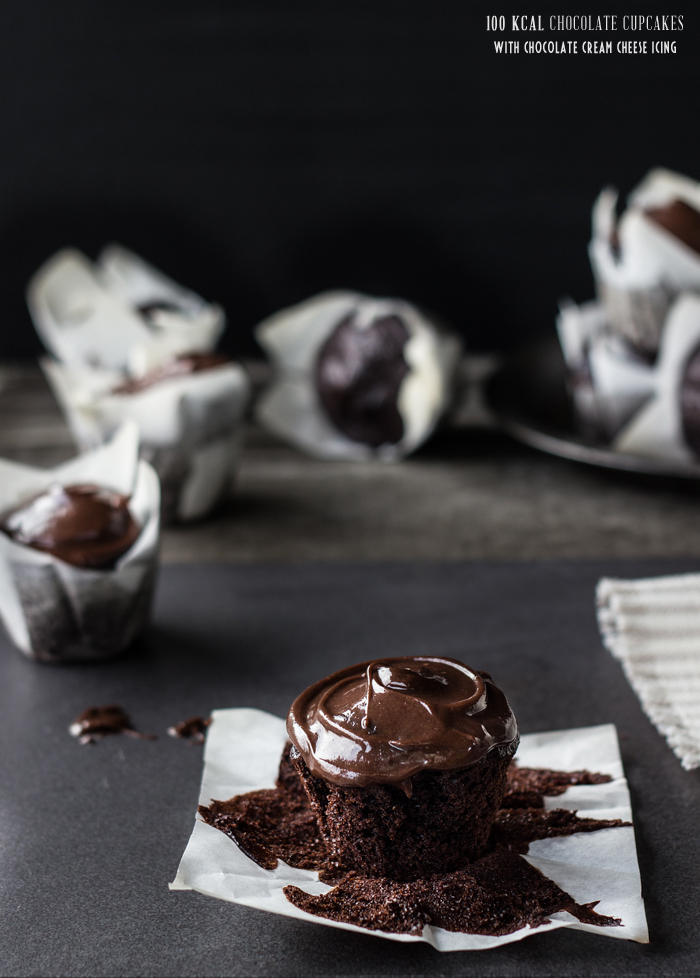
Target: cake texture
[[404, 762]]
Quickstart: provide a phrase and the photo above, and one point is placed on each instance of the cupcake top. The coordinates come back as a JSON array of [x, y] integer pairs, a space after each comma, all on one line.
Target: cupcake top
[[187, 363], [383, 721], [359, 371], [83, 525]]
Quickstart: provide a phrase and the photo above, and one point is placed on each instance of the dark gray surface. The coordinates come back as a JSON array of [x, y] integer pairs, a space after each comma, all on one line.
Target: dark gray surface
[[90, 837]]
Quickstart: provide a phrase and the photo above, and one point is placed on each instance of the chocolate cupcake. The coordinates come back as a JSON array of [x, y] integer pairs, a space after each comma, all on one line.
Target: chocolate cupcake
[[404, 761], [78, 560], [356, 377], [189, 409]]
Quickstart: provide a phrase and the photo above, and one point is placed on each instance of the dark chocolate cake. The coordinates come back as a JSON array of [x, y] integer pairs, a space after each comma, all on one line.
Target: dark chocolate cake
[[496, 894], [404, 763]]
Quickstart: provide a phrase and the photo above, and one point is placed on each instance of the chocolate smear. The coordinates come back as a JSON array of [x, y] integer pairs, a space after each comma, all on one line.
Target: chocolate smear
[[98, 721], [193, 729], [358, 374], [679, 219], [497, 894], [182, 366]]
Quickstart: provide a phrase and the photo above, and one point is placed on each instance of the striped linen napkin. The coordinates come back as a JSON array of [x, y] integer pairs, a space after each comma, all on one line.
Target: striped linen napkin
[[653, 627]]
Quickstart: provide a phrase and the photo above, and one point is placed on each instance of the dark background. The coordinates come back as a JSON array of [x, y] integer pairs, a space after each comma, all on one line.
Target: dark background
[[261, 151]]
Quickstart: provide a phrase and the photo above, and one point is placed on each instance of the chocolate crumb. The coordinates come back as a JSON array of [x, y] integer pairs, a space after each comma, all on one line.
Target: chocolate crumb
[[527, 786], [516, 828], [98, 721], [192, 729], [273, 824], [497, 894]]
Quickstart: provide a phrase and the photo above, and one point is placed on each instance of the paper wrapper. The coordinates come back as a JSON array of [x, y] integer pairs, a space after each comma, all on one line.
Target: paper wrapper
[[608, 380], [639, 267], [87, 314], [56, 612], [656, 430], [190, 427], [243, 752], [291, 407]]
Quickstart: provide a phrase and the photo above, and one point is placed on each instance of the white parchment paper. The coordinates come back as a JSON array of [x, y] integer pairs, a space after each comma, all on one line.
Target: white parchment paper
[[243, 752]]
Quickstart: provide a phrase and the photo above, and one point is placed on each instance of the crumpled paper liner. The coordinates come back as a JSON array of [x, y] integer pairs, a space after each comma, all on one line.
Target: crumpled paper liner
[[607, 380], [86, 314], [190, 427], [656, 430], [56, 612], [639, 267], [242, 754], [291, 407]]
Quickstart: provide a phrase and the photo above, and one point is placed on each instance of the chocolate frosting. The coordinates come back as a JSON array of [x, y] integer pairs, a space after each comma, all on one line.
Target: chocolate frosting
[[188, 363], [383, 721], [83, 525], [358, 375], [679, 219]]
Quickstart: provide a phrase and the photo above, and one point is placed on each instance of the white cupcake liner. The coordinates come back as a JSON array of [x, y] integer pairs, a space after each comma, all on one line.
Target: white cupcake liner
[[291, 408], [607, 380], [86, 314], [190, 427], [656, 430], [639, 279], [56, 612]]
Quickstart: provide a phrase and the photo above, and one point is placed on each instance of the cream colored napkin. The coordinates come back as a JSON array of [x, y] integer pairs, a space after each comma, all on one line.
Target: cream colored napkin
[[653, 627]]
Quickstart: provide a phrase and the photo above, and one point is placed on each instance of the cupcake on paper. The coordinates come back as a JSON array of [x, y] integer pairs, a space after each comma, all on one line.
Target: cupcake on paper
[[79, 552], [646, 259], [668, 425], [130, 344], [355, 377], [189, 408], [608, 379]]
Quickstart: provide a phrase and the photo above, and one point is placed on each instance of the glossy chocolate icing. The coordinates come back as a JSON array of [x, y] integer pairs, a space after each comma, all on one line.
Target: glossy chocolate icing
[[83, 525], [188, 363], [383, 721], [679, 219], [358, 374]]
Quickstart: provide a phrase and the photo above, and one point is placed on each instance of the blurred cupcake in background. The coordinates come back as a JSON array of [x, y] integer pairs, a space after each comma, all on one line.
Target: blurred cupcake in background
[[79, 552], [355, 377], [645, 259], [630, 353], [130, 344]]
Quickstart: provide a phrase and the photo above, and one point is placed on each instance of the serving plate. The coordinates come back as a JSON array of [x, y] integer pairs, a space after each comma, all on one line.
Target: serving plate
[[528, 395]]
